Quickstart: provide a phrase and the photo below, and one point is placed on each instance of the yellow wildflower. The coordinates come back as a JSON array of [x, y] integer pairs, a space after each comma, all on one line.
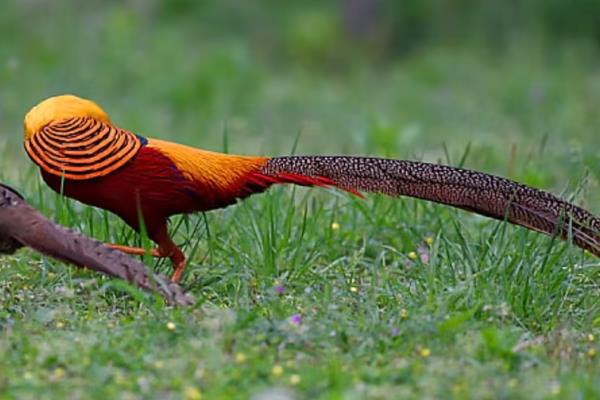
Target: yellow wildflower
[[591, 352], [192, 393], [277, 371], [240, 358], [424, 352], [58, 373]]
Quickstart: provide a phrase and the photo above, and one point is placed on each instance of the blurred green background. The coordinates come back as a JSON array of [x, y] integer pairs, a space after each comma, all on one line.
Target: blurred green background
[[503, 86], [518, 81]]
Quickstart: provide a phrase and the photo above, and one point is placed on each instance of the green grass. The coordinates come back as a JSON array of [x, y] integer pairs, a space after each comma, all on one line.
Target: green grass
[[485, 310]]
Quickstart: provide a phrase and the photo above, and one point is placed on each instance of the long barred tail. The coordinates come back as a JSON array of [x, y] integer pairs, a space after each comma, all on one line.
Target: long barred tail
[[477, 192]]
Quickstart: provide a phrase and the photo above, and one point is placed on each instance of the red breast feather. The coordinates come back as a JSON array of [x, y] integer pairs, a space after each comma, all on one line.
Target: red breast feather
[[150, 182]]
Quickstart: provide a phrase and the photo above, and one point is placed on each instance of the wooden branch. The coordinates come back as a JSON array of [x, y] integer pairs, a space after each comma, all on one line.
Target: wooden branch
[[22, 225]]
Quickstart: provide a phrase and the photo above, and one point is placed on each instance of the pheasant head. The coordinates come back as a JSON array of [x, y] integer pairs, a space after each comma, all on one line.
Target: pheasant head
[[71, 137], [55, 109]]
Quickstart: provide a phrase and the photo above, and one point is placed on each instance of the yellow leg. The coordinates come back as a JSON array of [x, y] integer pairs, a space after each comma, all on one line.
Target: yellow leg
[[178, 260], [169, 250], [136, 251]]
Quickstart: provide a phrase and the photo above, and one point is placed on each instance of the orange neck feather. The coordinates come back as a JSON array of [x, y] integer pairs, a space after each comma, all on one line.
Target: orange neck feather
[[207, 168]]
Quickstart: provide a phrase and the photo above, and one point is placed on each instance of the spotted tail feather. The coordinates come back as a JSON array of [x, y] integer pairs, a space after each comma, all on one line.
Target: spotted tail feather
[[484, 194]]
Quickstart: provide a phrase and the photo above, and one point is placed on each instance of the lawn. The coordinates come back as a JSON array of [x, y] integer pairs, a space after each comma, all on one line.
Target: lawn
[[307, 293]]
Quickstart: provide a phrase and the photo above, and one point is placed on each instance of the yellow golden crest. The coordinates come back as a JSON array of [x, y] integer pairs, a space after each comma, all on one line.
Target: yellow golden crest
[[55, 109]]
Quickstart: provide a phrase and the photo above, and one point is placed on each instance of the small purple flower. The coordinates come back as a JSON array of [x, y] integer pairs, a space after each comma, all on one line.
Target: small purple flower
[[296, 319], [279, 289]]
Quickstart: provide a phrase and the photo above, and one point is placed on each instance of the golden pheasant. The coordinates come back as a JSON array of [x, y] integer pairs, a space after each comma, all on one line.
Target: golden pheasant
[[83, 155]]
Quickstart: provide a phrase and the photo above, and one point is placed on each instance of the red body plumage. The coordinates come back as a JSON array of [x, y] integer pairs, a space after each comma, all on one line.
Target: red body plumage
[[149, 183]]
